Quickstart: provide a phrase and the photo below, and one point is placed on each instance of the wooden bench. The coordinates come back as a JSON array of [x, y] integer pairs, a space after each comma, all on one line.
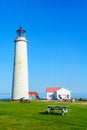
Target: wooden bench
[[59, 109], [22, 100]]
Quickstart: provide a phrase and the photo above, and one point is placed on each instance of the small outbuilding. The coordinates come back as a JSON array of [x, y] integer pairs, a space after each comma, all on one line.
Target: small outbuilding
[[33, 95], [58, 93]]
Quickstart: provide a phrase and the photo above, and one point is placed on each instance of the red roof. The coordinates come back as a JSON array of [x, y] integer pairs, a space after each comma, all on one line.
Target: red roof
[[52, 89], [31, 93]]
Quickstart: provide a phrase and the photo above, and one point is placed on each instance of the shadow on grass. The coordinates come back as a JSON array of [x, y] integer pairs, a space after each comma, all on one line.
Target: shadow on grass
[[46, 113]]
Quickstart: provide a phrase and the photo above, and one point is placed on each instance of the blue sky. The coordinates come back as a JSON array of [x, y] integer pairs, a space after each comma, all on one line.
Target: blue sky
[[57, 47]]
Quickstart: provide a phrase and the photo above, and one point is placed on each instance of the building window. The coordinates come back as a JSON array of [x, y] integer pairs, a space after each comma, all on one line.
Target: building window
[[67, 96]]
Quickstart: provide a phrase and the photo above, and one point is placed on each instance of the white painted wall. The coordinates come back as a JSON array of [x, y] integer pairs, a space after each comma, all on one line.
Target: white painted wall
[[20, 75], [64, 93], [51, 95]]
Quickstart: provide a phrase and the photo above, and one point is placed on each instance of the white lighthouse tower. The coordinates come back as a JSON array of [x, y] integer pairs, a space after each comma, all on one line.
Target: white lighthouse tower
[[20, 72]]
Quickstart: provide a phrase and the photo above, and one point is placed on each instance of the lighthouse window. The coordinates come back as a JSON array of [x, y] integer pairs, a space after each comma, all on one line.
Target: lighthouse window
[[20, 34]]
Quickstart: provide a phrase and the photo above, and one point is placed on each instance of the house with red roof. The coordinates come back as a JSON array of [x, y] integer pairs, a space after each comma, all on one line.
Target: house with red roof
[[33, 95], [58, 93]]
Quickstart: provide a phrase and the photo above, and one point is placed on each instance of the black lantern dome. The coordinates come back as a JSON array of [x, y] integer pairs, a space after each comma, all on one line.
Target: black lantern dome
[[20, 32]]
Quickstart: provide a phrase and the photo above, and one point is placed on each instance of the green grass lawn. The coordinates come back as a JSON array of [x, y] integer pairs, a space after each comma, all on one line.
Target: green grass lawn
[[31, 116]]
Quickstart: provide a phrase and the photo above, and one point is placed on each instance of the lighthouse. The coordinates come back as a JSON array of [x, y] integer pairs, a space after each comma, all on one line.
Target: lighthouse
[[20, 70]]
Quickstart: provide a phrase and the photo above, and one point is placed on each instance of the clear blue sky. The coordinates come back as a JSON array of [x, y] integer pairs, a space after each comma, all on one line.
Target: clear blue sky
[[57, 48]]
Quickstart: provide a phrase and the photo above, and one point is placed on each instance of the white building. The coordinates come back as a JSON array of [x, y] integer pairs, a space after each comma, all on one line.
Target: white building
[[20, 72], [58, 93]]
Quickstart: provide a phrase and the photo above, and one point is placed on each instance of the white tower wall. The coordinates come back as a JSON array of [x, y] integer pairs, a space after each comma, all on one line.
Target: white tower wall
[[20, 76]]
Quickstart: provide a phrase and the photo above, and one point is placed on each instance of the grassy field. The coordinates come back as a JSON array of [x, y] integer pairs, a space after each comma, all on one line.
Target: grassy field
[[31, 116]]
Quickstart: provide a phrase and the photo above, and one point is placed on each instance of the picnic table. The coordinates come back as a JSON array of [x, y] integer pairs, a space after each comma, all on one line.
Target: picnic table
[[59, 109]]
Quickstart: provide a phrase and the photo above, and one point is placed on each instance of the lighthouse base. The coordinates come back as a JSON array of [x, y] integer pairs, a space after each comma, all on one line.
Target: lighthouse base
[[21, 100]]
